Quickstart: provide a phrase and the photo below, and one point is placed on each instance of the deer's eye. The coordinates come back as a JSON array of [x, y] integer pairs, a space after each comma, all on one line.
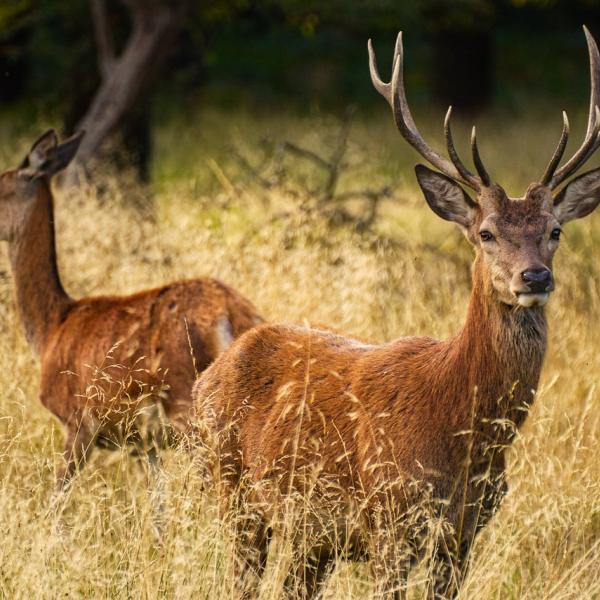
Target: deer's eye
[[486, 236], [555, 233]]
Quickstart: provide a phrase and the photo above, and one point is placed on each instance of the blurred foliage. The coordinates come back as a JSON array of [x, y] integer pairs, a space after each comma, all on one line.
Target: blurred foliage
[[13, 13], [381, 15], [311, 15], [302, 53], [459, 16]]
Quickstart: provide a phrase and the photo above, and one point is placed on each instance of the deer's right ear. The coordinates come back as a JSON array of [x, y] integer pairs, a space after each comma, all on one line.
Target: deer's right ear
[[445, 197]]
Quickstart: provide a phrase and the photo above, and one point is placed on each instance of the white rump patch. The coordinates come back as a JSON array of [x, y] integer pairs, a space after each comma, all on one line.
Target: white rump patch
[[222, 334]]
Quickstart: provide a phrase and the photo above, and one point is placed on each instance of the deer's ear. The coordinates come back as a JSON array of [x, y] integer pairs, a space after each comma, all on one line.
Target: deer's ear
[[578, 198], [47, 156], [41, 150], [65, 152], [445, 197]]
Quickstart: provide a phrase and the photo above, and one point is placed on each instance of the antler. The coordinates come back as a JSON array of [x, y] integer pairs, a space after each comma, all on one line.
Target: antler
[[553, 177], [395, 94]]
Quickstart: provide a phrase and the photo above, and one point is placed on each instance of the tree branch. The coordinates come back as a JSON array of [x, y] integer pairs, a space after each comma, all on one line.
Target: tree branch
[[308, 154], [104, 43], [154, 29]]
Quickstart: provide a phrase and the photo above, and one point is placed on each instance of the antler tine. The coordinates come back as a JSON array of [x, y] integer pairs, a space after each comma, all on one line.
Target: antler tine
[[385, 89], [591, 141], [395, 94], [594, 77], [586, 149], [481, 170], [596, 144], [452, 153], [558, 153]]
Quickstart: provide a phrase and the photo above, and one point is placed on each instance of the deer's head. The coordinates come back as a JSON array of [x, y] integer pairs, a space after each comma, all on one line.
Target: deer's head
[[515, 238], [21, 187]]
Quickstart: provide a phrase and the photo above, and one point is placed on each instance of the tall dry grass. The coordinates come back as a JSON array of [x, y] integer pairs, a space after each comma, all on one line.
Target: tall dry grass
[[410, 275]]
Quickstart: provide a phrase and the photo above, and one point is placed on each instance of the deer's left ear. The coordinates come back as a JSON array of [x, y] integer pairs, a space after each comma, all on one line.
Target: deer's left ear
[[40, 150], [578, 198], [47, 156]]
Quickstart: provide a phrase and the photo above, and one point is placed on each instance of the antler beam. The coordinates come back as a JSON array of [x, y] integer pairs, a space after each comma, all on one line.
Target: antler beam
[[395, 94], [552, 176]]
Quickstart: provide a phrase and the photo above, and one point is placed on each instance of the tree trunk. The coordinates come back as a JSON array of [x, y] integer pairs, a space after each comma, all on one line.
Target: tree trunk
[[154, 27], [463, 69]]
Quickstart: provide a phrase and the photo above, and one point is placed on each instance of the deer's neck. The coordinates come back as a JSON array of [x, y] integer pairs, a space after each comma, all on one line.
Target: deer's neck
[[41, 300], [500, 352]]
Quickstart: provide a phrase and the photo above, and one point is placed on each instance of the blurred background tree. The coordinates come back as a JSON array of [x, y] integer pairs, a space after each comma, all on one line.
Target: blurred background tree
[[117, 66]]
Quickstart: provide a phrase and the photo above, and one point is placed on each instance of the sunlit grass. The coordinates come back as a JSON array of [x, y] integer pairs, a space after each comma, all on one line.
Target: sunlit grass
[[409, 275]]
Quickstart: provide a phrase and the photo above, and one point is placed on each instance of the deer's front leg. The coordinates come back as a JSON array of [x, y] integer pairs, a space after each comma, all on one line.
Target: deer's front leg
[[392, 557], [309, 575], [251, 546], [154, 468], [450, 561], [78, 446]]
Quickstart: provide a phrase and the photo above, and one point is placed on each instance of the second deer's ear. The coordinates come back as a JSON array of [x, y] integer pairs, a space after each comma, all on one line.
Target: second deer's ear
[[47, 156], [64, 153], [445, 197], [41, 150]]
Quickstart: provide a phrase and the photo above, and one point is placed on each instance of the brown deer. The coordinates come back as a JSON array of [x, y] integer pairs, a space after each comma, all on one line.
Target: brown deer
[[108, 363], [377, 431]]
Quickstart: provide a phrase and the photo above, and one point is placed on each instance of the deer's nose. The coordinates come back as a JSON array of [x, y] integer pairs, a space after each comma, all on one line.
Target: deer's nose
[[538, 280]]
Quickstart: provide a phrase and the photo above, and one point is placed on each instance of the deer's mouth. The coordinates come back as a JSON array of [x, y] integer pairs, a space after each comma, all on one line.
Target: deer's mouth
[[530, 299]]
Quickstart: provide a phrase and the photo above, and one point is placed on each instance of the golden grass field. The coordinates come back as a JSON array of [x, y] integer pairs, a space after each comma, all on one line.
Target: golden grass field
[[408, 275]]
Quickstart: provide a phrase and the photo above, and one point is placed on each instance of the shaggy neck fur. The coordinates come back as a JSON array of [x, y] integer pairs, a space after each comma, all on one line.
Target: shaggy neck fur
[[499, 354], [41, 300]]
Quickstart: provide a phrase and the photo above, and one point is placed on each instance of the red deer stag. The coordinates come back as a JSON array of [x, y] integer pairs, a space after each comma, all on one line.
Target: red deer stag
[[387, 426], [153, 342]]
